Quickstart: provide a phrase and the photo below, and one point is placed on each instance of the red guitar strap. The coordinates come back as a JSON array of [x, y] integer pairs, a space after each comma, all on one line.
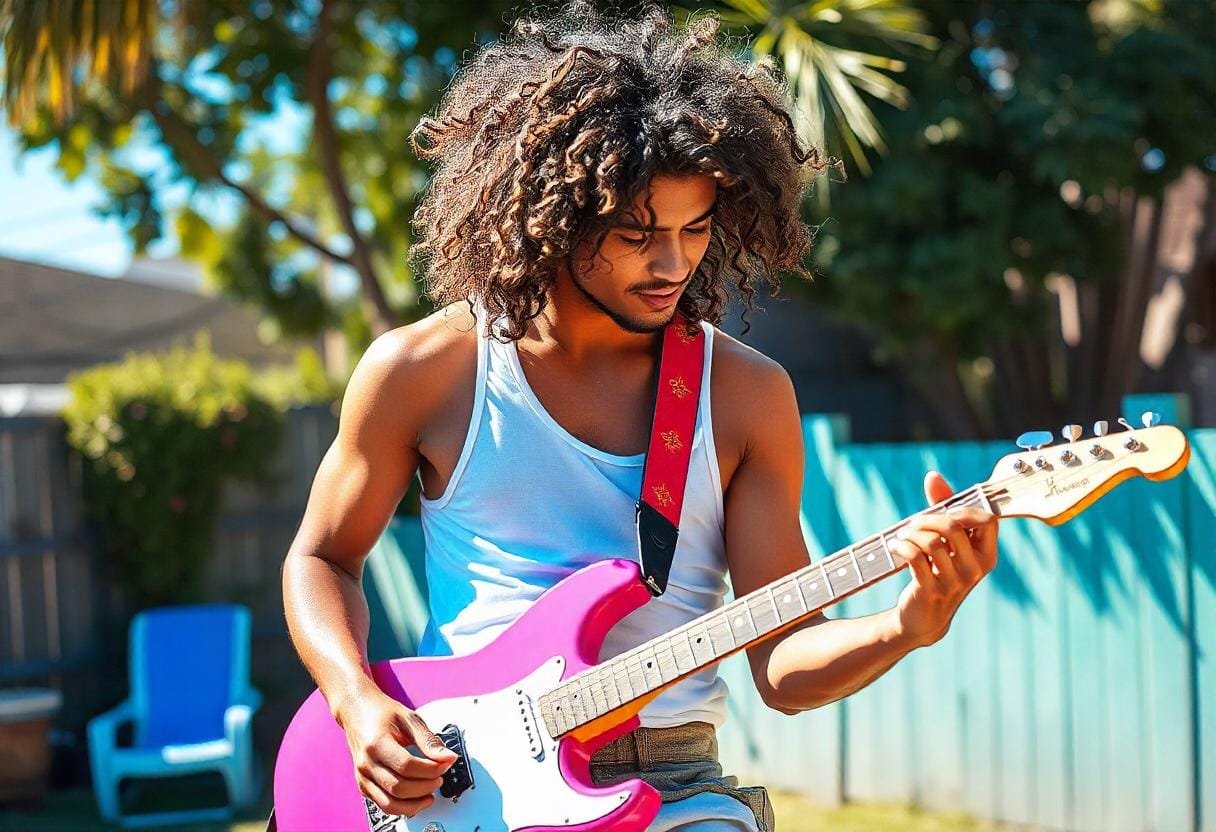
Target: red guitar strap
[[670, 449]]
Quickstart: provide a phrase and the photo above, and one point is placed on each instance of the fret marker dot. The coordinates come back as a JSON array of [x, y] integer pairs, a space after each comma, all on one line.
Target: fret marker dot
[[841, 571], [739, 621], [870, 556], [785, 599], [814, 584]]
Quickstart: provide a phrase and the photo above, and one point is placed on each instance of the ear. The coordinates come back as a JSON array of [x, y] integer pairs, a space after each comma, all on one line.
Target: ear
[[936, 487]]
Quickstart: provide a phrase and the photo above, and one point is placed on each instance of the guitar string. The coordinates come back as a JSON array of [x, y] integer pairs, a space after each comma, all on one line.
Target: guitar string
[[581, 682], [1021, 482]]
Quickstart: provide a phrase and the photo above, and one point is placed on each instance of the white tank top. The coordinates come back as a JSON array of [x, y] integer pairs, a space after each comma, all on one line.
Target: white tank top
[[529, 504]]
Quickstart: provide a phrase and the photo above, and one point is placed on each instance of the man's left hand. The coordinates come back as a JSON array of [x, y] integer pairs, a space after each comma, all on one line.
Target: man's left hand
[[948, 554]]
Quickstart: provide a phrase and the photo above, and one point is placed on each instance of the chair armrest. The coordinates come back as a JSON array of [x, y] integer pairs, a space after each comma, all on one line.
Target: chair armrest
[[238, 715], [103, 728]]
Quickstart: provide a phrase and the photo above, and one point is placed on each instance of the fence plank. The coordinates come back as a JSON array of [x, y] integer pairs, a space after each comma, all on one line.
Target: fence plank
[[1201, 531]]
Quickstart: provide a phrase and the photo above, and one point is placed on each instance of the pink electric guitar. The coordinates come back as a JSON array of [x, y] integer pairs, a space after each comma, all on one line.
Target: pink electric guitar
[[525, 713]]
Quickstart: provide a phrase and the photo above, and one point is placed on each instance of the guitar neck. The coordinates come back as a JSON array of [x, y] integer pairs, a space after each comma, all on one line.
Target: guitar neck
[[707, 640]]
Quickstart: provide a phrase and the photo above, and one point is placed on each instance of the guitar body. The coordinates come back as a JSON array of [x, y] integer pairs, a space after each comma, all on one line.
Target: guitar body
[[521, 778]]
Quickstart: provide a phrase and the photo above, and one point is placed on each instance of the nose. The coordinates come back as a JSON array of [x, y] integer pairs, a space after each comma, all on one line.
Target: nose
[[670, 261]]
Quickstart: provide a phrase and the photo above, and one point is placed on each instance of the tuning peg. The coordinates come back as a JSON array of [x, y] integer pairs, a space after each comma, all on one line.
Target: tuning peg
[[1071, 433], [1148, 418], [1101, 427], [1032, 440]]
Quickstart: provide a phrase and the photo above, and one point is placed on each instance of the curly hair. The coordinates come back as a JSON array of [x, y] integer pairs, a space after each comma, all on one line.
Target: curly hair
[[547, 136]]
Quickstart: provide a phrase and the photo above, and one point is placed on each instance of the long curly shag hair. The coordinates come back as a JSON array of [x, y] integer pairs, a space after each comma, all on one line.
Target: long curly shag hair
[[547, 136]]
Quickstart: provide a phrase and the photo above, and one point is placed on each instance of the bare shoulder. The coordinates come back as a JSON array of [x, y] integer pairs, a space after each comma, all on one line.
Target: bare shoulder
[[411, 371], [746, 381], [752, 393]]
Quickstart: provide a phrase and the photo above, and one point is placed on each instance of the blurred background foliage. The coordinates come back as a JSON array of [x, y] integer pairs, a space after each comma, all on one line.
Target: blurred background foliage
[[1003, 156], [159, 436]]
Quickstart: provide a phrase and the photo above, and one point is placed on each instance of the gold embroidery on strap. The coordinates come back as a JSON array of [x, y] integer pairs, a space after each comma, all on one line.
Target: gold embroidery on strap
[[672, 440], [687, 334], [662, 495], [678, 388]]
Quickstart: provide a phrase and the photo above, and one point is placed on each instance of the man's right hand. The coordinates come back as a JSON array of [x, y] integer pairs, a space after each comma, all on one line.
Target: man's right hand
[[378, 730]]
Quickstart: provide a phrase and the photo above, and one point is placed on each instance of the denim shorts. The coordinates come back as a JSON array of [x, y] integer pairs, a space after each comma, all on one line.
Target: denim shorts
[[682, 764]]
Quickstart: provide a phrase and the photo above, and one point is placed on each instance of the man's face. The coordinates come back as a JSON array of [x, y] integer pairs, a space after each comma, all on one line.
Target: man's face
[[642, 269]]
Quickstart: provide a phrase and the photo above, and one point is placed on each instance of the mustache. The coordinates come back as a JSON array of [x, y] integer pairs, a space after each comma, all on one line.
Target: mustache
[[663, 288]]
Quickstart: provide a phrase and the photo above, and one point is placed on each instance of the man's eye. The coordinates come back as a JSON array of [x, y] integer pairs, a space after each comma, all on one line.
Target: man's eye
[[701, 230], [633, 241]]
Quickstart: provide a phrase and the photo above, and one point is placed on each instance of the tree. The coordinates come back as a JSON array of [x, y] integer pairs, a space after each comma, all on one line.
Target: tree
[[1028, 171], [160, 98], [193, 80]]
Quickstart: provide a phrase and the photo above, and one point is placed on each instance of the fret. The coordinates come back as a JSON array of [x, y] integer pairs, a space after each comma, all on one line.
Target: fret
[[681, 649], [857, 566], [576, 705], [650, 670], [666, 661], [621, 676], [746, 603], [813, 588], [702, 647], [612, 694], [841, 578], [560, 720], [792, 604], [720, 632], [871, 567], [742, 628], [569, 715], [772, 606], [754, 616], [886, 548], [827, 582], [546, 714], [599, 702], [637, 679]]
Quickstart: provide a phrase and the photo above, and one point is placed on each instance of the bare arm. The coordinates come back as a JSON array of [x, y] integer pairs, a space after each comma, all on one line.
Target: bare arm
[[359, 483], [822, 659]]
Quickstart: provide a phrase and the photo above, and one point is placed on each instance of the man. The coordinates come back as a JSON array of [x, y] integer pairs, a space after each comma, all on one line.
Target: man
[[594, 177]]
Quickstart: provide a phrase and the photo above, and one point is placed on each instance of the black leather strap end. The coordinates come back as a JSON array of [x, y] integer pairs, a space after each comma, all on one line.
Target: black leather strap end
[[657, 545]]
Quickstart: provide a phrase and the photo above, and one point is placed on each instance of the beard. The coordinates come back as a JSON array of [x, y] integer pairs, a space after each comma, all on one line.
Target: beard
[[625, 322]]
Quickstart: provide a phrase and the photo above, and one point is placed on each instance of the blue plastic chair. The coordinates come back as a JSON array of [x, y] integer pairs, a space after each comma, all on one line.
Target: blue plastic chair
[[191, 705]]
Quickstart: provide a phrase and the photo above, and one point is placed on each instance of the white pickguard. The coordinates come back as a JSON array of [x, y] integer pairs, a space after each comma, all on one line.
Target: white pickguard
[[512, 789]]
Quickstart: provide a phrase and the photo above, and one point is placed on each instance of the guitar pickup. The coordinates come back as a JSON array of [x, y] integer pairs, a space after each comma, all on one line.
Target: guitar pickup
[[459, 777], [531, 726]]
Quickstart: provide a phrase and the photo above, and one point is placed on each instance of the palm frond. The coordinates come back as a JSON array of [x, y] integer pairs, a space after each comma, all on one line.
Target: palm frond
[[816, 43], [53, 47]]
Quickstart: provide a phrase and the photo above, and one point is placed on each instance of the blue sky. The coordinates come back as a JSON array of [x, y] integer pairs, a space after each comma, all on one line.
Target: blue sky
[[45, 219]]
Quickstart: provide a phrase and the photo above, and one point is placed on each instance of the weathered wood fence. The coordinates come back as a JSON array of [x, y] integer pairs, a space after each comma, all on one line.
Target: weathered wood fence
[[61, 619]]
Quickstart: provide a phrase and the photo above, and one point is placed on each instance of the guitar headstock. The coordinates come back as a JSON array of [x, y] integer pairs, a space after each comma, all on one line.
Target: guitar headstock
[[1056, 482]]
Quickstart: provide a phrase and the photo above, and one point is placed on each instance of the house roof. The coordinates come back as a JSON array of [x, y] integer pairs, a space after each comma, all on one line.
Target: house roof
[[57, 320]]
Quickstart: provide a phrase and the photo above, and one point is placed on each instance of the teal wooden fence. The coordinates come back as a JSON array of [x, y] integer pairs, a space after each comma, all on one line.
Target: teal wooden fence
[[1077, 687]]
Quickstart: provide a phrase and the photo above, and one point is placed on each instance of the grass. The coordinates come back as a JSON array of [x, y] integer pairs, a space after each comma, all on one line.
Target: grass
[[796, 814], [75, 811]]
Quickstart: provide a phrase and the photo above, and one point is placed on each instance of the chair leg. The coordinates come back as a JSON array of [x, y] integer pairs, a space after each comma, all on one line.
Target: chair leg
[[241, 788], [108, 798]]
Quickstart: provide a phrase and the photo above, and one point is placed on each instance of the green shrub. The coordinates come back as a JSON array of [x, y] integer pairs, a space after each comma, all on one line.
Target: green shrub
[[159, 435]]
